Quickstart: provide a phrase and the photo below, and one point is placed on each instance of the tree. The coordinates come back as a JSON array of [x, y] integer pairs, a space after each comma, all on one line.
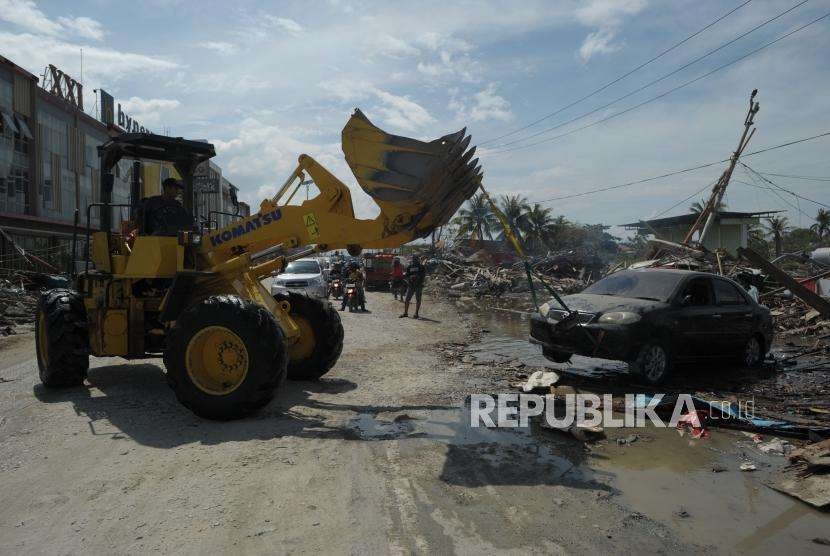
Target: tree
[[538, 227], [822, 225], [756, 241], [777, 226], [698, 206], [515, 209], [476, 220]]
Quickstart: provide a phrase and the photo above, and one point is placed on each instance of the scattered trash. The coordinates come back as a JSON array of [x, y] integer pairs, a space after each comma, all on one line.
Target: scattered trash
[[540, 380], [692, 423], [776, 447], [748, 466]]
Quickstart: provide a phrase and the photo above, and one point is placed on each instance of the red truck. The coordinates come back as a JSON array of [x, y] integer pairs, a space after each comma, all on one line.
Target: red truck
[[378, 268]]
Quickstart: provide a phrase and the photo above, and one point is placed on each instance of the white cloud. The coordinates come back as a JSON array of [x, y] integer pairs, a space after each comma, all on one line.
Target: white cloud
[[36, 52], [598, 42], [393, 47], [150, 111], [85, 27], [284, 23], [490, 106], [607, 15], [602, 13], [397, 111], [224, 48], [401, 112], [26, 14]]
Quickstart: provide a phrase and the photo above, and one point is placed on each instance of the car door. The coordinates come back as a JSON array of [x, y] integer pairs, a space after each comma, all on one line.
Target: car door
[[736, 316], [691, 318]]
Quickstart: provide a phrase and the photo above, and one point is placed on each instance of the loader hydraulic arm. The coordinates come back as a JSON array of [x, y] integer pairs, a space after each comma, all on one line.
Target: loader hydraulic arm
[[418, 186]]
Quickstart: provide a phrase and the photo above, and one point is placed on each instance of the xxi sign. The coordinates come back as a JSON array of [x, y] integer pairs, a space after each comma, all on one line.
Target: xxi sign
[[63, 86]]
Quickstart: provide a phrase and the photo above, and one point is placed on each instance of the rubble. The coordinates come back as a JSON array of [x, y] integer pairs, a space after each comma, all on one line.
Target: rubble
[[19, 296]]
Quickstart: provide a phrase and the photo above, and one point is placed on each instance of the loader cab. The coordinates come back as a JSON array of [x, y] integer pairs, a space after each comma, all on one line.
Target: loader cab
[[130, 251]]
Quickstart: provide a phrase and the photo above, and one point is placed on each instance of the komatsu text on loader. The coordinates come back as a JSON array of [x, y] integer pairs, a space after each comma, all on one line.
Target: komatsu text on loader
[[196, 299]]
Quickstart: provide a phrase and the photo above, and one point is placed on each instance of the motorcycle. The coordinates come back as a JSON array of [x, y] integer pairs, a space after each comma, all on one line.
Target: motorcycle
[[352, 297], [336, 288]]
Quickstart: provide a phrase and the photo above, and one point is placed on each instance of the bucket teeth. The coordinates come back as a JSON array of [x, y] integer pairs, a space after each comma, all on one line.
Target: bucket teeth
[[425, 182]]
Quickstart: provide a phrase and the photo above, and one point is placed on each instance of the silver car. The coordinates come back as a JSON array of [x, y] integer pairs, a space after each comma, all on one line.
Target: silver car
[[303, 276]]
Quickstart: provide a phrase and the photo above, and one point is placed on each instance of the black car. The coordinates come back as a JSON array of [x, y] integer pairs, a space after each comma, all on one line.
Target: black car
[[651, 318]]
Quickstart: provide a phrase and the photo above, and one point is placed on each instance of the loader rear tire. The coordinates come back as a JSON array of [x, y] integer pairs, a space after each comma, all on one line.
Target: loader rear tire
[[62, 339], [319, 349], [225, 357]]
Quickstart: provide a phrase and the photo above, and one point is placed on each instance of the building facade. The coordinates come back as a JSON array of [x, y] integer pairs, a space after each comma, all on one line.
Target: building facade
[[730, 229], [50, 173]]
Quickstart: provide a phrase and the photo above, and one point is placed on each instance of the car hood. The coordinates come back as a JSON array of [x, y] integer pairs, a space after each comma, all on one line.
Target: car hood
[[593, 303], [297, 276]]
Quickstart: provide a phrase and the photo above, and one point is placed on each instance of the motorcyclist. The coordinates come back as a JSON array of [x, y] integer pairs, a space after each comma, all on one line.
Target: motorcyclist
[[355, 276], [397, 277]]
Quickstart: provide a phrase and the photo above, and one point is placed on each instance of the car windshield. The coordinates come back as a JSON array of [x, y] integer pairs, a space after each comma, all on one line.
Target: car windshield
[[303, 267], [637, 284]]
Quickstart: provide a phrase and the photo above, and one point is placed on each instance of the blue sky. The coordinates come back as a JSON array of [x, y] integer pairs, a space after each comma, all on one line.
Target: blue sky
[[266, 81]]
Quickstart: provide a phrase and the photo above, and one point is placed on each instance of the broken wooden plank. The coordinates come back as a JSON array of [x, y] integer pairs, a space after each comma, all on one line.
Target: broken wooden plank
[[810, 298]]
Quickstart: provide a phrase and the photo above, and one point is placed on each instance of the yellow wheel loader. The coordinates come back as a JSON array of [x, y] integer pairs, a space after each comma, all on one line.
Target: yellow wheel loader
[[196, 299]]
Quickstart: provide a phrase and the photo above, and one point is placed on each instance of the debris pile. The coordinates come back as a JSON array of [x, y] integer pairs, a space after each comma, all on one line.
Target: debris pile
[[458, 276], [17, 307], [19, 294]]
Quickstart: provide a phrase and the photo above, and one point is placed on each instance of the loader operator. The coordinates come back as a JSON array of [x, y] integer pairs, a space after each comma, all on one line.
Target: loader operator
[[164, 215]]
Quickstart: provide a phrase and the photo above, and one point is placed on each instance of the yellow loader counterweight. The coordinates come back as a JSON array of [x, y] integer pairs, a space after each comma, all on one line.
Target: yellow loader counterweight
[[197, 299]]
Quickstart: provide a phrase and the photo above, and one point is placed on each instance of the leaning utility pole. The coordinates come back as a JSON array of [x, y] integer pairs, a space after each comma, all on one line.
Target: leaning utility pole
[[707, 216]]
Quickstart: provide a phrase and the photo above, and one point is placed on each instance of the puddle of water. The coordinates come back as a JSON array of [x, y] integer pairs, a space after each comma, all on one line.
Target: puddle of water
[[451, 428], [507, 340], [671, 479], [666, 475]]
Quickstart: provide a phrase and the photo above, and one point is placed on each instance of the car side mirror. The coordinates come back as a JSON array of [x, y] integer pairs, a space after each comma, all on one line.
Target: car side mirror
[[687, 300]]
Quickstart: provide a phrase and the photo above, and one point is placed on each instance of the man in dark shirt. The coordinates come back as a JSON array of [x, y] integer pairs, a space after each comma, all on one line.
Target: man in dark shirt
[[164, 215], [415, 275]]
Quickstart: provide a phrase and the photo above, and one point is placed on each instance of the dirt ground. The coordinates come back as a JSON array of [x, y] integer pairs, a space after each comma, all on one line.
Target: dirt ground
[[378, 457]]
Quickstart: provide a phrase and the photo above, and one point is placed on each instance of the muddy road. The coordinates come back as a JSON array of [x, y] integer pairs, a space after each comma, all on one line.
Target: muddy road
[[377, 457]]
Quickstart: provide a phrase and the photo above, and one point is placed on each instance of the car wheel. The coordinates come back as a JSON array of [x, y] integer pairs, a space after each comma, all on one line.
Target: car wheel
[[653, 363], [556, 356], [753, 353]]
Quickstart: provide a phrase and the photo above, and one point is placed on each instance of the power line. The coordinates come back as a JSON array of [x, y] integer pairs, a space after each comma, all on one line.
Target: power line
[[685, 170], [677, 204], [620, 78], [793, 193], [666, 93], [659, 79], [808, 178]]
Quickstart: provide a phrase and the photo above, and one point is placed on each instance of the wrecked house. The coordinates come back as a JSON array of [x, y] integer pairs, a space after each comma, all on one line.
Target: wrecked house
[[729, 231]]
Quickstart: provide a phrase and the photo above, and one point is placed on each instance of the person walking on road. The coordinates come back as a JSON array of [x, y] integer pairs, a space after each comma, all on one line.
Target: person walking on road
[[415, 276], [397, 278]]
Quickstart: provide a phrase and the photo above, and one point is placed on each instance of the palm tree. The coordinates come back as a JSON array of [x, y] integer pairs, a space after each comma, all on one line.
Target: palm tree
[[476, 220], [822, 225], [538, 227], [777, 226], [515, 209], [698, 206]]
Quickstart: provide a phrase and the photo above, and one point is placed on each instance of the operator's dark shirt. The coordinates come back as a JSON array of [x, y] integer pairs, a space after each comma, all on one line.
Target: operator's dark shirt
[[415, 274], [164, 217]]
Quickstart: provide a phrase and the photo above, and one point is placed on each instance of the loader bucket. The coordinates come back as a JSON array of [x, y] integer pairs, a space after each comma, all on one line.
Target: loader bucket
[[417, 185]]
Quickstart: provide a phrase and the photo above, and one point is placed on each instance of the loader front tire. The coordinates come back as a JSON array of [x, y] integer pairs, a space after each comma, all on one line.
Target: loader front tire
[[62, 339], [225, 357], [321, 341]]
